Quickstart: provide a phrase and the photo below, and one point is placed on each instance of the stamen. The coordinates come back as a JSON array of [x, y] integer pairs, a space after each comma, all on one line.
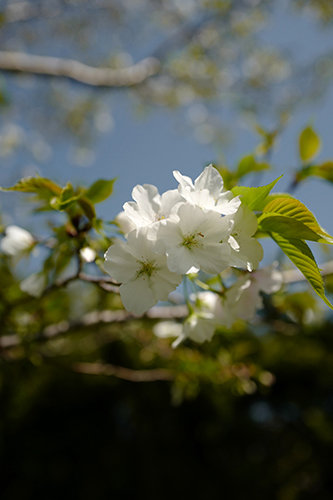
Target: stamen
[[190, 240]]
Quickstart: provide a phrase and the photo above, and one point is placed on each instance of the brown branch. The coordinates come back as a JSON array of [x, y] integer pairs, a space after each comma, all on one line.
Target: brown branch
[[95, 318], [55, 66], [124, 373]]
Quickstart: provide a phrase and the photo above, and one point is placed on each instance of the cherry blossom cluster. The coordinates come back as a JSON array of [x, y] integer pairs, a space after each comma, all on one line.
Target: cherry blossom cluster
[[199, 226]]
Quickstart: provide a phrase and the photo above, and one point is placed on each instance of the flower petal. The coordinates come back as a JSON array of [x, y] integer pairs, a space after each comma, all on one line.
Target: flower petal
[[137, 296], [209, 179]]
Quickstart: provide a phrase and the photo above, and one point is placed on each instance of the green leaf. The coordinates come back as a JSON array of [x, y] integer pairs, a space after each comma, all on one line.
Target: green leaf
[[253, 197], [249, 164], [288, 227], [272, 197], [291, 218], [57, 204], [300, 254], [87, 207], [66, 199], [324, 171], [67, 193], [309, 144], [44, 188], [100, 190]]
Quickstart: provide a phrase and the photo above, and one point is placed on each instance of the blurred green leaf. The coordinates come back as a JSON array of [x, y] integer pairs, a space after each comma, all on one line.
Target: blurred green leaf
[[309, 144], [254, 196], [249, 164], [100, 190], [291, 218], [87, 207], [300, 254], [57, 204], [44, 188], [323, 171]]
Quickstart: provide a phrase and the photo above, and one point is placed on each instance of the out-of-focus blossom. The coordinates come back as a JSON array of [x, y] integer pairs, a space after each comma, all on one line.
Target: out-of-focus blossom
[[16, 240], [87, 254], [34, 284]]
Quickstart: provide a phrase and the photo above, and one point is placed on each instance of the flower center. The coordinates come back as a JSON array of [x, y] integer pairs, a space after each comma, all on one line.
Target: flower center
[[146, 268], [191, 240], [159, 216]]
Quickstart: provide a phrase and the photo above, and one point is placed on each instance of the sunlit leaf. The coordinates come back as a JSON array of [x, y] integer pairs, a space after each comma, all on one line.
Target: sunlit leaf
[[272, 197], [254, 196], [291, 218], [300, 254], [309, 144], [100, 190]]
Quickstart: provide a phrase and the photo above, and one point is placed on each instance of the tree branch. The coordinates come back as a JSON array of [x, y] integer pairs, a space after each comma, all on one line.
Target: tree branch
[[124, 373], [99, 77], [121, 315], [55, 66]]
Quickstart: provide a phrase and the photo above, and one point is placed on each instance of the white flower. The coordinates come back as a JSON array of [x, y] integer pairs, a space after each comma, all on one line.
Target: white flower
[[243, 299], [88, 254], [191, 240], [199, 325], [166, 329], [150, 206], [34, 284], [246, 252], [207, 191], [16, 240], [125, 224], [144, 275]]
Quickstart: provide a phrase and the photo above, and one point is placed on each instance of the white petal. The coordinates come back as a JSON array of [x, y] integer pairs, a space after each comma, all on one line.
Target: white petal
[[210, 179], [169, 232], [227, 204], [249, 254], [246, 221], [183, 180], [199, 328], [164, 282], [180, 259], [137, 295], [120, 264], [212, 259], [168, 201], [144, 211], [125, 224]]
